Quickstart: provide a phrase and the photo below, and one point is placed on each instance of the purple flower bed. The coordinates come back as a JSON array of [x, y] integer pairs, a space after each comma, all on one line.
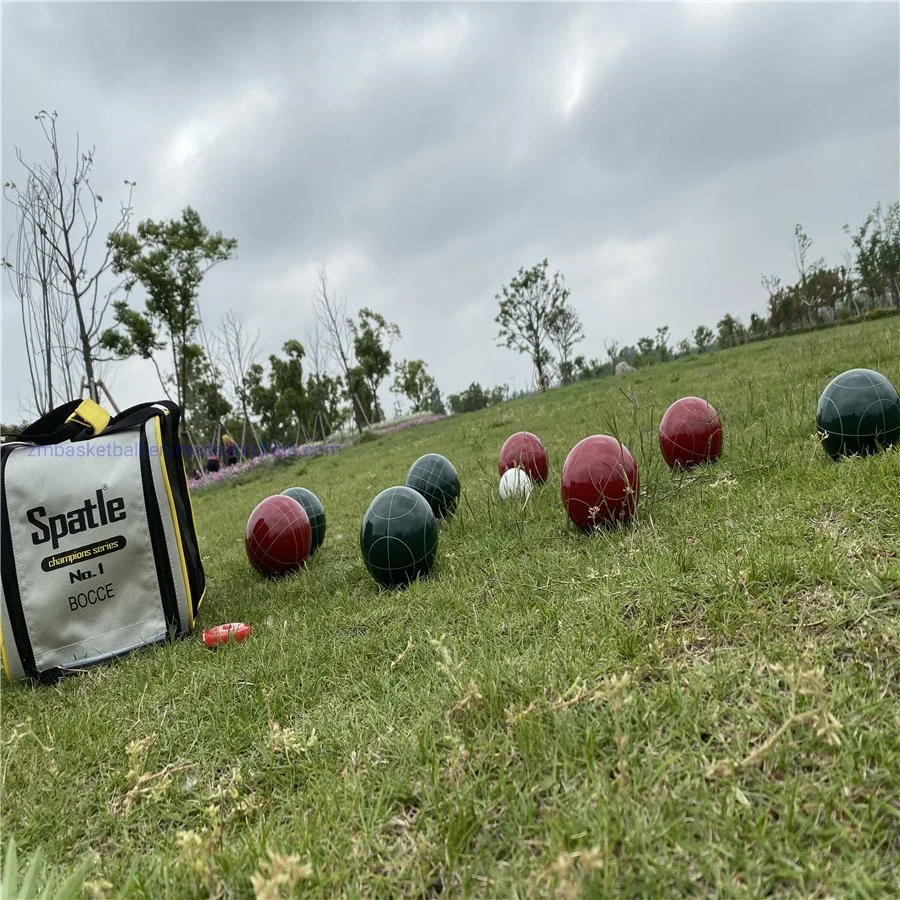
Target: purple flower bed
[[300, 450]]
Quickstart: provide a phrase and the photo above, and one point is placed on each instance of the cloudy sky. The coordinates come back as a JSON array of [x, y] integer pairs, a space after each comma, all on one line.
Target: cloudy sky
[[658, 154]]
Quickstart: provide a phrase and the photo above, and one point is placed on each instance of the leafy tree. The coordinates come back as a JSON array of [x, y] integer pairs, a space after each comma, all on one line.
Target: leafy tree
[[785, 309], [703, 338], [292, 403], [475, 397], [586, 369], [877, 244], [363, 400], [662, 343], [529, 307], [645, 349], [612, 352], [566, 372], [325, 394], [565, 332], [728, 330], [210, 407], [169, 260], [684, 347], [825, 289], [805, 289], [372, 337], [283, 404], [758, 325], [413, 381], [629, 354]]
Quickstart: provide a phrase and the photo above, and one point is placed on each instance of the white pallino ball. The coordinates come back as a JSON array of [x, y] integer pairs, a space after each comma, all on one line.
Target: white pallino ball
[[515, 483]]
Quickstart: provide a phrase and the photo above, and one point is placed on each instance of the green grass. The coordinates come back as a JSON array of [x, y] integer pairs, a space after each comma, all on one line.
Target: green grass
[[705, 703]]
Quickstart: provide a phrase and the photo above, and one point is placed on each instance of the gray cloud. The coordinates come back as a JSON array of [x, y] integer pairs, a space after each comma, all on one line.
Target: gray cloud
[[659, 155]]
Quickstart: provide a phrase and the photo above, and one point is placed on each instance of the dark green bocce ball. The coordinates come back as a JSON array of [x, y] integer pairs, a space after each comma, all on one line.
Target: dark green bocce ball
[[859, 412], [398, 537], [314, 509], [434, 477]]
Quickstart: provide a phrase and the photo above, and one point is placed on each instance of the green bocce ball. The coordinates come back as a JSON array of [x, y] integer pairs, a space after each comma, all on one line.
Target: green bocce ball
[[858, 413], [434, 477], [398, 537], [314, 509]]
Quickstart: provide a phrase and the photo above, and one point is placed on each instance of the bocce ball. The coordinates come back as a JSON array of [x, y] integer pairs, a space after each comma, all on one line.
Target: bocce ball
[[434, 477], [599, 483], [278, 536], [525, 450], [858, 412], [398, 537], [514, 483], [314, 509], [690, 433]]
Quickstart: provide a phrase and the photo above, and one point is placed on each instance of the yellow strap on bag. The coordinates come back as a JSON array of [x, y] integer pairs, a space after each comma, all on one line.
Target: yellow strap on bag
[[91, 414]]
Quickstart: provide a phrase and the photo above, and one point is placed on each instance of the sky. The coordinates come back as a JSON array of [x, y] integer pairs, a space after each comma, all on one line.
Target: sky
[[657, 154]]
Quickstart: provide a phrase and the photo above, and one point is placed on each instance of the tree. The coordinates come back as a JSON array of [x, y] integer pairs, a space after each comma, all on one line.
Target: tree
[[209, 406], [684, 347], [412, 380], [805, 288], [825, 288], [702, 338], [645, 349], [728, 330], [758, 325], [326, 391], [529, 305], [565, 332], [238, 354], [784, 307], [283, 404], [169, 260], [62, 285], [372, 339], [586, 369], [612, 351], [877, 244], [662, 343], [331, 317], [44, 318], [326, 397], [475, 397]]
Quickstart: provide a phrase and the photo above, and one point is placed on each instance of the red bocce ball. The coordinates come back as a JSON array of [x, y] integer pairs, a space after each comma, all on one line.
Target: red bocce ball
[[278, 536], [525, 450], [690, 433], [600, 483]]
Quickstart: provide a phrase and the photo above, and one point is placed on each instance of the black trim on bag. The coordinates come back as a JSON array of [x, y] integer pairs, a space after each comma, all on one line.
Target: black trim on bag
[[11, 592], [158, 541], [185, 523]]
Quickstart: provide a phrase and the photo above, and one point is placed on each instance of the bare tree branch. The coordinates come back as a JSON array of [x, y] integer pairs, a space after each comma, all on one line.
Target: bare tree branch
[[59, 214], [331, 315]]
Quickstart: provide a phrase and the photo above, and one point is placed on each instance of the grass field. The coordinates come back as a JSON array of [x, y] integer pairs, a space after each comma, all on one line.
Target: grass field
[[705, 703]]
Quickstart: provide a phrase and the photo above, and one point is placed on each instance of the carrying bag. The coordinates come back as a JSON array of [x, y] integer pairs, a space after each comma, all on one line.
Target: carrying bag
[[98, 546]]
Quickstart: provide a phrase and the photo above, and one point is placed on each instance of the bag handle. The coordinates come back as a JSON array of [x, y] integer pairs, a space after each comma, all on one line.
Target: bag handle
[[76, 420]]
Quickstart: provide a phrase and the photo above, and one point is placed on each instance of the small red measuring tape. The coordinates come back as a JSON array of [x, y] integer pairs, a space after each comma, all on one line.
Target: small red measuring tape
[[222, 634]]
